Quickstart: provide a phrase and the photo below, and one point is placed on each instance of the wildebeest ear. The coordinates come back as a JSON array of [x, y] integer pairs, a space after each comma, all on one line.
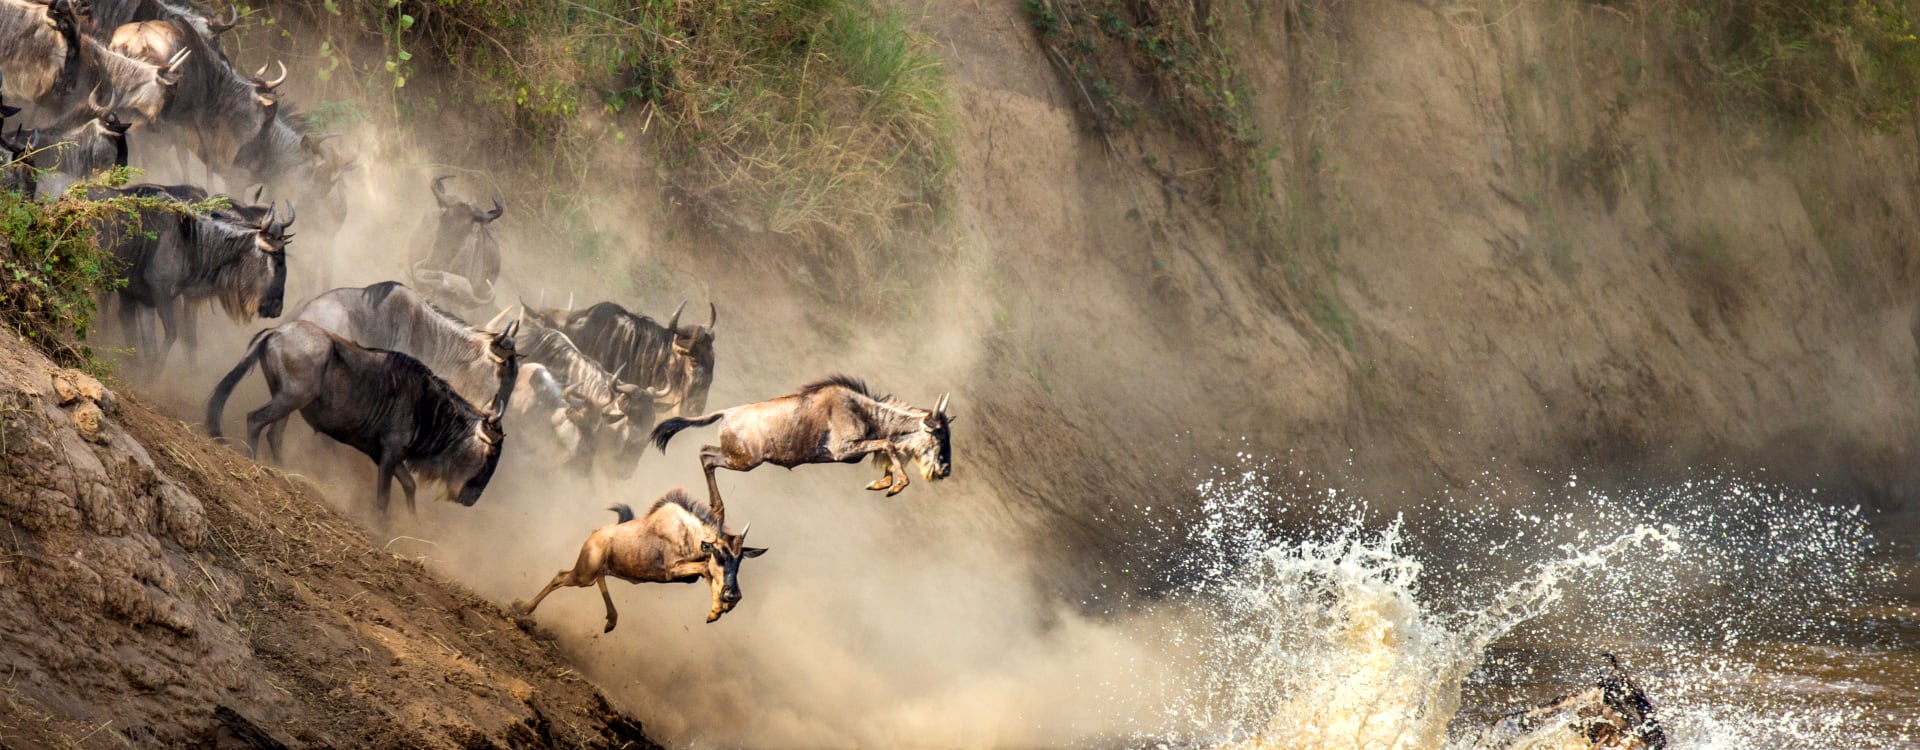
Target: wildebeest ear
[[752, 551], [6, 111]]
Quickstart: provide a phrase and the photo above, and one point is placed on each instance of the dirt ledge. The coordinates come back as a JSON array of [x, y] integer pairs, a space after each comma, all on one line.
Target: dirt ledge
[[157, 589]]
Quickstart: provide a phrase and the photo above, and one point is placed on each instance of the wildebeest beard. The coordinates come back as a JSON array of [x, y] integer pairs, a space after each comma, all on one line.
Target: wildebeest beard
[[246, 280]]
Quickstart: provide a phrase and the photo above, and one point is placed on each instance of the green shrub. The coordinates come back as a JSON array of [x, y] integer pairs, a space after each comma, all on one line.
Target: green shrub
[[1803, 61]]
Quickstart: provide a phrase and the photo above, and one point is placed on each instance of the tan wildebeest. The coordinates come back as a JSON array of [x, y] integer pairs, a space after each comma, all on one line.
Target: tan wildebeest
[[677, 541], [836, 420]]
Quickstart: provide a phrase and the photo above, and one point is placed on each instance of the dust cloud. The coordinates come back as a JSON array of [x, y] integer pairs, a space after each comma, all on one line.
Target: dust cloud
[[913, 621]]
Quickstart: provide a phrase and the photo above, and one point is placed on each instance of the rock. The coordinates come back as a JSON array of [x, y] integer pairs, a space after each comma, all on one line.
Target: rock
[[90, 422], [1614, 714]]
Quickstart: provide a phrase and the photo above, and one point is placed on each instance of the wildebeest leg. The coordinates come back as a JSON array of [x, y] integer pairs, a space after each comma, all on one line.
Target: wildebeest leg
[[172, 325], [383, 487], [714, 457], [189, 330], [895, 480], [274, 433], [613, 618], [406, 483], [278, 409]]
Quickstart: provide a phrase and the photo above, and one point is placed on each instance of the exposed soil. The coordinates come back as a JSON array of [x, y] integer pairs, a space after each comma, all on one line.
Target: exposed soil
[[157, 589]]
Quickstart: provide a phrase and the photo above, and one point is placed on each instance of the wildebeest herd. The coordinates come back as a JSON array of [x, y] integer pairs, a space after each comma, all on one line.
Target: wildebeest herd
[[389, 369]]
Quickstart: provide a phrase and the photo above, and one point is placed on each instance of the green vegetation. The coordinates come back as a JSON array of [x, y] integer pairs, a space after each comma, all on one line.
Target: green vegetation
[[1163, 59], [1802, 61], [52, 272], [824, 120]]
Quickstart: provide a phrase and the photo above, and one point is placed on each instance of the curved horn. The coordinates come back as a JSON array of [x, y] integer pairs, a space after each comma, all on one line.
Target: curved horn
[[257, 190], [659, 392], [216, 27], [275, 83], [569, 301], [616, 373], [497, 209], [272, 210], [493, 326], [440, 190], [673, 324], [745, 529], [940, 407], [713, 317], [93, 101]]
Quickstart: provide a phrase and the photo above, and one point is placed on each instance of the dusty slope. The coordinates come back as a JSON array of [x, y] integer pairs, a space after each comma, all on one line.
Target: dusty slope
[[150, 579]]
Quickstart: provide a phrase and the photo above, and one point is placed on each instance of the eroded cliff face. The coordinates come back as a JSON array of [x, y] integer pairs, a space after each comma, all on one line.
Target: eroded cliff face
[[1536, 249], [158, 590]]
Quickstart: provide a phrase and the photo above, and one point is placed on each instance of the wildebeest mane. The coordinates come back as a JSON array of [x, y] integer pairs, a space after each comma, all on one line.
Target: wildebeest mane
[[227, 265], [442, 417], [848, 382], [378, 293], [638, 346], [678, 496]]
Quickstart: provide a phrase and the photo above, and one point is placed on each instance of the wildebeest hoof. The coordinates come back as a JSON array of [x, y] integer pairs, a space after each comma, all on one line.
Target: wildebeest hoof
[[881, 484], [712, 616], [896, 489], [610, 624]]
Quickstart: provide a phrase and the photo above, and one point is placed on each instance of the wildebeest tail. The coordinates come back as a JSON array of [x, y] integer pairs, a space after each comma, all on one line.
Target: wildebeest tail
[[217, 403], [666, 430], [620, 509]]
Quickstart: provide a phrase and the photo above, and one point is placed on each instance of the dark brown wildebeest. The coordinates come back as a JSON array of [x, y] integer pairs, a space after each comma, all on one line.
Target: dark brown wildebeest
[[650, 354], [391, 315], [171, 254], [679, 540], [385, 404], [836, 420]]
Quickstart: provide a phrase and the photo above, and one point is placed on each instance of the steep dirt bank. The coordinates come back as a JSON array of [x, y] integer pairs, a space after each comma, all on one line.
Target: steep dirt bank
[[157, 590]]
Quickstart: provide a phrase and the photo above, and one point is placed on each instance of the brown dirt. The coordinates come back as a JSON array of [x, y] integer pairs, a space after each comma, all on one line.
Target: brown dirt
[[149, 577]]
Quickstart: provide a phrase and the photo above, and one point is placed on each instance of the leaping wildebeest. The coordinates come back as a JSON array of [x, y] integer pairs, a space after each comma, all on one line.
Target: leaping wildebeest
[[836, 420], [679, 540], [651, 355], [385, 404]]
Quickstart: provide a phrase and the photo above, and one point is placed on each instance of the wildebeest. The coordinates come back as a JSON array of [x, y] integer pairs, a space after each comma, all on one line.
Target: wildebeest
[[455, 253], [17, 172], [1612, 714], [390, 315], [385, 404], [171, 254], [85, 142], [679, 540], [614, 417], [836, 420], [651, 355], [53, 66]]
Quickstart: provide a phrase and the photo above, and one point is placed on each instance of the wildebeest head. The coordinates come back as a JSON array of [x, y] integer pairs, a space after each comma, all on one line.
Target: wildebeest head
[[482, 453], [694, 345], [271, 239], [931, 443], [724, 553]]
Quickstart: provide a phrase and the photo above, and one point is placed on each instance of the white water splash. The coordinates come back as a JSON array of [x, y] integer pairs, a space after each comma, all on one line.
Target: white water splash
[[1332, 638]]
